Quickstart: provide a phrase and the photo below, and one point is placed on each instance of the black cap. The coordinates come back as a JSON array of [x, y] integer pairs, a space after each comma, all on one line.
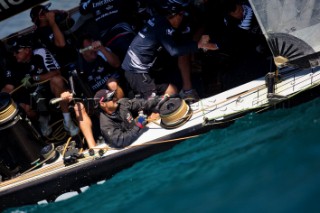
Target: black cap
[[21, 42], [173, 7], [104, 95], [37, 10]]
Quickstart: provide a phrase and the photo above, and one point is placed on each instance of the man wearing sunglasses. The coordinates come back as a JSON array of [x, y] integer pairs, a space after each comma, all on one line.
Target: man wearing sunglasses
[[117, 124], [38, 71]]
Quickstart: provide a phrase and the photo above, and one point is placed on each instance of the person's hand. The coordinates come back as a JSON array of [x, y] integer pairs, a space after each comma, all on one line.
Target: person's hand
[[96, 45], [151, 103], [28, 82], [50, 16], [67, 96], [205, 44], [141, 120]]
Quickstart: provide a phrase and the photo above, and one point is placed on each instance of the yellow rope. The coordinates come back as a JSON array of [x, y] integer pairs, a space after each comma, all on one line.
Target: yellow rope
[[66, 146], [21, 85]]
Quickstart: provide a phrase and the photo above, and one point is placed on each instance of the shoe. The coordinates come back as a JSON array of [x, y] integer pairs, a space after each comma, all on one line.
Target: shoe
[[45, 129], [71, 128], [274, 98], [191, 96]]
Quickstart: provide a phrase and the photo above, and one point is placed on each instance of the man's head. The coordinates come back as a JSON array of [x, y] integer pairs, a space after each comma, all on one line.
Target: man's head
[[233, 8], [172, 7], [107, 100], [38, 12], [22, 49], [85, 41], [174, 11]]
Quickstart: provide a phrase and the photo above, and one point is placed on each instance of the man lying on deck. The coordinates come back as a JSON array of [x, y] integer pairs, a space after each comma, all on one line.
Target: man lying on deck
[[117, 123]]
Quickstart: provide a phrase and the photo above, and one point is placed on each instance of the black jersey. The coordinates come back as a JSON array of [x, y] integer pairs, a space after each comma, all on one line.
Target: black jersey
[[107, 13], [145, 47], [45, 37], [96, 73], [41, 62]]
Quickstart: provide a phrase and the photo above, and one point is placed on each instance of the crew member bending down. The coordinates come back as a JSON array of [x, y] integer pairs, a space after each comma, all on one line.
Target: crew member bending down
[[145, 47], [117, 123]]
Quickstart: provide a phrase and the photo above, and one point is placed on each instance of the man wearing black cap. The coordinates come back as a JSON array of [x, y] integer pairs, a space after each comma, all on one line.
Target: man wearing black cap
[[117, 123], [40, 74], [50, 34]]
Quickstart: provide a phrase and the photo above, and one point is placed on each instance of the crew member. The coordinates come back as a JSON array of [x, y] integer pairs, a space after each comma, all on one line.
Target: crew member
[[113, 20], [146, 46], [117, 123], [50, 32], [98, 66], [38, 71]]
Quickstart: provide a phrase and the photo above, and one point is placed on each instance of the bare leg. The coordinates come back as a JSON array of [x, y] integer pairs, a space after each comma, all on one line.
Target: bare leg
[[171, 90], [85, 124], [31, 114], [7, 88], [57, 86]]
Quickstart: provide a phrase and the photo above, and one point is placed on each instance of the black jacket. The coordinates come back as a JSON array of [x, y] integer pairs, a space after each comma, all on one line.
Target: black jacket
[[119, 129]]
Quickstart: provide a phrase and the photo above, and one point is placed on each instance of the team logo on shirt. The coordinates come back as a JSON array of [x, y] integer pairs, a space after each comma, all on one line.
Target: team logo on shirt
[[39, 71], [170, 32], [100, 69], [8, 74]]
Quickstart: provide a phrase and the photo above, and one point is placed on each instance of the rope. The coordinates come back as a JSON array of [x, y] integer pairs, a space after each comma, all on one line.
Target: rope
[[58, 134], [66, 146], [21, 85], [202, 110]]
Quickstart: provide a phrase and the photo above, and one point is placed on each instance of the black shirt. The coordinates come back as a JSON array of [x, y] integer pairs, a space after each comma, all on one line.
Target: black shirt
[[145, 47], [96, 73]]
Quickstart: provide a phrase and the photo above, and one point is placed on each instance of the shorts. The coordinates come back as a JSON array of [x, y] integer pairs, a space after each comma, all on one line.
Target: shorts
[[143, 84]]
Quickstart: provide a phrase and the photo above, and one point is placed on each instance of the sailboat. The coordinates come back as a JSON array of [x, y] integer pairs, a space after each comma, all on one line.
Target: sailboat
[[291, 28]]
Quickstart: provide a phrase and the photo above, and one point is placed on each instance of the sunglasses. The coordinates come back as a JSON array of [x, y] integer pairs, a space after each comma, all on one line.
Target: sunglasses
[[110, 97]]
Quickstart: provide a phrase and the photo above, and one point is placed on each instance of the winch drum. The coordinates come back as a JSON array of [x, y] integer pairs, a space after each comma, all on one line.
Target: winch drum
[[174, 113], [19, 144]]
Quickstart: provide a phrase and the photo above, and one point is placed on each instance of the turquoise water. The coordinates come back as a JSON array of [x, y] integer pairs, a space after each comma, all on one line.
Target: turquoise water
[[263, 163]]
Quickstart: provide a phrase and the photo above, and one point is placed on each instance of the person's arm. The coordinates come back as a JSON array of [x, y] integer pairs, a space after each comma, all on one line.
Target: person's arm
[[109, 56], [46, 76], [175, 49], [59, 39]]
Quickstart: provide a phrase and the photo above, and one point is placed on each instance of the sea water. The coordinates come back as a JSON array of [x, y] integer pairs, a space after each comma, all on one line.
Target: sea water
[[267, 162]]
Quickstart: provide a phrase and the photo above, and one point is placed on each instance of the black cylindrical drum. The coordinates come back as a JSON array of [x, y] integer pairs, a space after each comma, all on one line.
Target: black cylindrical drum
[[19, 145]]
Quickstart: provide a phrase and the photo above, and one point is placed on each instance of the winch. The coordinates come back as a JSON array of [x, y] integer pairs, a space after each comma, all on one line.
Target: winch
[[19, 145], [174, 113]]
